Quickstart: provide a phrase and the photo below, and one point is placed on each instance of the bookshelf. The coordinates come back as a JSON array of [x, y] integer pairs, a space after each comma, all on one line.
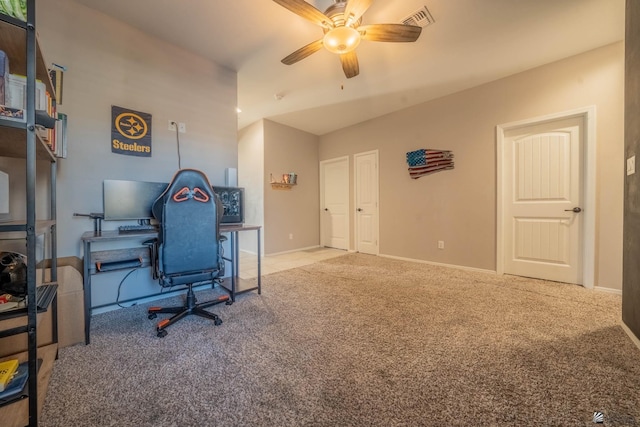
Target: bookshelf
[[20, 140]]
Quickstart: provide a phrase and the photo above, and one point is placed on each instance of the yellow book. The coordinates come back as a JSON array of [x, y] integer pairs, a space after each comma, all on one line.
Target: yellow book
[[7, 369]]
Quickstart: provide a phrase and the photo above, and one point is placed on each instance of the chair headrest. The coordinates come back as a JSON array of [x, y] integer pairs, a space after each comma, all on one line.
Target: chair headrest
[[187, 184]]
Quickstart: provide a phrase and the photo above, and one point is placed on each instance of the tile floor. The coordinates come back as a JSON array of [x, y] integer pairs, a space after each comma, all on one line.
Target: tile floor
[[273, 263]]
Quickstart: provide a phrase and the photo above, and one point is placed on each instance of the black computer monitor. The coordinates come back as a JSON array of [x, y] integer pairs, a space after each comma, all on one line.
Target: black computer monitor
[[130, 200], [232, 199]]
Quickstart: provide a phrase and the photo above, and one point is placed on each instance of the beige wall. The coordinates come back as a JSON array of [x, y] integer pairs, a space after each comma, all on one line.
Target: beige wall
[[251, 177], [291, 216], [110, 63], [459, 206]]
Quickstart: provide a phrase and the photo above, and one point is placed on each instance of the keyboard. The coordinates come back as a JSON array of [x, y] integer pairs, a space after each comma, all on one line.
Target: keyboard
[[123, 229]]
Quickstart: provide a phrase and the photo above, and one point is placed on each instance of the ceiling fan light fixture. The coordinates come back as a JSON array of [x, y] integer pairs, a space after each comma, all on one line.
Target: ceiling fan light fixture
[[343, 32], [341, 40]]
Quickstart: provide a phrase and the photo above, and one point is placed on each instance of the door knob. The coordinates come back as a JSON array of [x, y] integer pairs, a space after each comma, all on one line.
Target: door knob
[[574, 210], [359, 209], [326, 209]]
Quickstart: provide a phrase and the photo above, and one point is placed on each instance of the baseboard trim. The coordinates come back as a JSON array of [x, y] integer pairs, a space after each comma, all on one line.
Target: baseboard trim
[[481, 270], [608, 290], [629, 332], [294, 250], [439, 264]]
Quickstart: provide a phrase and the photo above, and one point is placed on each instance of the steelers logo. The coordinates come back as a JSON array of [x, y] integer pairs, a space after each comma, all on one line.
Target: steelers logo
[[131, 126]]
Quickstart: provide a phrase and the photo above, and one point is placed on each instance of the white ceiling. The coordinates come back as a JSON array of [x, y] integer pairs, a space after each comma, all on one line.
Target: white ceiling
[[471, 42]]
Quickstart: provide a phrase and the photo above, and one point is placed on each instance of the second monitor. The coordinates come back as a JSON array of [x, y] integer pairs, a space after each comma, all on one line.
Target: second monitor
[[129, 200]]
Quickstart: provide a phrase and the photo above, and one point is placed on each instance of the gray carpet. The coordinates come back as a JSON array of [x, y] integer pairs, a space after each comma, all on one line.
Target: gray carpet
[[361, 341]]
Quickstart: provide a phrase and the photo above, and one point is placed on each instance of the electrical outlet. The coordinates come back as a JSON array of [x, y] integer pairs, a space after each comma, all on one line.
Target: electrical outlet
[[172, 125], [440, 244], [182, 128], [631, 165], [290, 236]]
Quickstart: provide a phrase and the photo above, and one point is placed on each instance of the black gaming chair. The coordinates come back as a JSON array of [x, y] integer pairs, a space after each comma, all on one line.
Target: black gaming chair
[[188, 249]]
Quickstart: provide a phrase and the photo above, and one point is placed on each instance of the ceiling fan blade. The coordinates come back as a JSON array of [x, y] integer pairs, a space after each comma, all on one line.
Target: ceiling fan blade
[[350, 64], [305, 10], [390, 32], [355, 8], [303, 52]]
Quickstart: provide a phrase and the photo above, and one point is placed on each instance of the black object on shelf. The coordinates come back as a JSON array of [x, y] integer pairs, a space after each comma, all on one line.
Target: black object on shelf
[[45, 294], [45, 120]]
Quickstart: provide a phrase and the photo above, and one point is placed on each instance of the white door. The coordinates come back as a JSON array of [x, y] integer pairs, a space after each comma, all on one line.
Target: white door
[[366, 201], [334, 202], [543, 200]]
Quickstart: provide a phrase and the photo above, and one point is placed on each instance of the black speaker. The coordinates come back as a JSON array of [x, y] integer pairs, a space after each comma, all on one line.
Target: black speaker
[[13, 274]]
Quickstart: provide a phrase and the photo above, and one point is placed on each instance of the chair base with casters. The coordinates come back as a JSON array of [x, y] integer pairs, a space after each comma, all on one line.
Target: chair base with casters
[[190, 307]]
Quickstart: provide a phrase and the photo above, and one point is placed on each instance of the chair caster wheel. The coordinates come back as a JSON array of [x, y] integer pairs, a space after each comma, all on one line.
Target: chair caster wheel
[[229, 302], [217, 322], [162, 333], [152, 316]]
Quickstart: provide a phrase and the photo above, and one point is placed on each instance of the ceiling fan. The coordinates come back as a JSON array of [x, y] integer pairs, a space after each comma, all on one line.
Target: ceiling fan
[[343, 32]]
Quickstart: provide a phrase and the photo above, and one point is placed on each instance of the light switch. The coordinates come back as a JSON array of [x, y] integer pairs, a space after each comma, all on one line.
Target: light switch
[[631, 165]]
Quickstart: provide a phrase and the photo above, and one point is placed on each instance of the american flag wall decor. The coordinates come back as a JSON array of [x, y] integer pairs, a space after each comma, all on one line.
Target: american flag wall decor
[[426, 161]]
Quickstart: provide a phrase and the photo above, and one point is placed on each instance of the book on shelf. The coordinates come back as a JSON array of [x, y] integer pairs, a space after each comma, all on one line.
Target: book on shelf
[[15, 114], [16, 93], [57, 80], [61, 136], [17, 383], [4, 74], [8, 303], [7, 369]]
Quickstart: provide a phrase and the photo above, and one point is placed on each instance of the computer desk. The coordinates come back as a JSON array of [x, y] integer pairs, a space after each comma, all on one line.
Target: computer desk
[[233, 284]]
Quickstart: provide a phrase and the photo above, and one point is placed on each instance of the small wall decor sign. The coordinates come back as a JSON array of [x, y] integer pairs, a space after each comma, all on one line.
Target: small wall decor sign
[[130, 132], [426, 161]]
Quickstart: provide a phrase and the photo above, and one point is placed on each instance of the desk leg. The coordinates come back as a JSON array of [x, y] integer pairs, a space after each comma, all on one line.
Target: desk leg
[[259, 272], [234, 244], [87, 291], [236, 257]]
